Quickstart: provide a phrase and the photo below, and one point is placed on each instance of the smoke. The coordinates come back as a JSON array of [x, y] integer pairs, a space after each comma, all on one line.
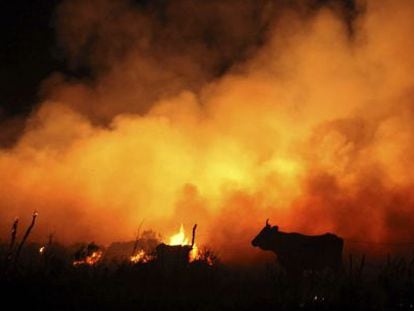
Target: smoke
[[138, 53], [222, 114]]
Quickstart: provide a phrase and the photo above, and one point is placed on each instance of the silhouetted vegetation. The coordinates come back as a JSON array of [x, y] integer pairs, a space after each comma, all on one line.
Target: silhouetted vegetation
[[49, 280]]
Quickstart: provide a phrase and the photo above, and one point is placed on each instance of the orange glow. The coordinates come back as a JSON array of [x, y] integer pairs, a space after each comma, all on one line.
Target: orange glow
[[312, 128], [90, 260], [140, 257], [180, 239], [194, 253]]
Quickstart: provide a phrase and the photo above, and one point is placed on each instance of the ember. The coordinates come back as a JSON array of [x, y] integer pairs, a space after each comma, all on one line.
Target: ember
[[42, 250], [89, 260], [89, 255], [140, 257]]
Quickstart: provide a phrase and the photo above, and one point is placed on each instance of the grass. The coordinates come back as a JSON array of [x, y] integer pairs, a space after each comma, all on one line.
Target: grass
[[52, 283]]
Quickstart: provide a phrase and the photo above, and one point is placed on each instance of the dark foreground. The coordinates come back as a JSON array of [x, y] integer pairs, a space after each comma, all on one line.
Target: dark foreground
[[54, 284]]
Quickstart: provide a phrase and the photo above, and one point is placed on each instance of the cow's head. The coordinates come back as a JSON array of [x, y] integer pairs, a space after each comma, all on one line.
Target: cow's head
[[265, 237]]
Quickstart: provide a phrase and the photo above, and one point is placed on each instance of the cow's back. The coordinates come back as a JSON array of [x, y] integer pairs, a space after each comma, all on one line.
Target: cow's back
[[304, 252]]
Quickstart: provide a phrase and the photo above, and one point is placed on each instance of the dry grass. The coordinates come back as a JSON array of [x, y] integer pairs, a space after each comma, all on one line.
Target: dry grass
[[53, 283]]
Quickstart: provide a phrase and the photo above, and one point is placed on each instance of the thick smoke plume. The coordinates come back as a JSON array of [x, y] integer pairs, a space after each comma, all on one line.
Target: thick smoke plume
[[222, 114]]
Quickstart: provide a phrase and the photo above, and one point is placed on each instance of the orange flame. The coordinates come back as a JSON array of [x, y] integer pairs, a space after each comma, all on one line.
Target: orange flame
[[90, 260], [140, 257], [264, 139], [180, 239]]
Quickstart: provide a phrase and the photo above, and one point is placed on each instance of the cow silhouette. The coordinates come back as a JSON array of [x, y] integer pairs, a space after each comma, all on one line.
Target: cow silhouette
[[297, 252]]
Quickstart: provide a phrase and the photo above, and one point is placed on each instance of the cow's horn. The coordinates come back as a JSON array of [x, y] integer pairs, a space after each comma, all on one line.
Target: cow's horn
[[267, 222]]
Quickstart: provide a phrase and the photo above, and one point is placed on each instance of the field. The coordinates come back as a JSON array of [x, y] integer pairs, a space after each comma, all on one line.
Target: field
[[51, 282]]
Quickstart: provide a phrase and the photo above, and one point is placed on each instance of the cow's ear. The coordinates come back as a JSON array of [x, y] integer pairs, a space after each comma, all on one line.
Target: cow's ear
[[276, 228]]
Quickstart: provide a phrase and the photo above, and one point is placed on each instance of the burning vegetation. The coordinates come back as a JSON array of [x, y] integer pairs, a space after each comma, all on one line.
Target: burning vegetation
[[140, 257], [179, 239], [195, 254], [224, 112], [178, 249], [147, 248], [89, 254], [171, 274]]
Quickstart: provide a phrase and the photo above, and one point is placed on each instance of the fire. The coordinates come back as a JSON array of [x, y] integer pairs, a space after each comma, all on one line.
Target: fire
[[194, 253], [180, 239], [140, 257], [90, 260], [265, 138]]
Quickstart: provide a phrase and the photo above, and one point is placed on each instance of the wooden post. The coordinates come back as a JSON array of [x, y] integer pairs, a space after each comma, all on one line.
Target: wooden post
[[193, 239]]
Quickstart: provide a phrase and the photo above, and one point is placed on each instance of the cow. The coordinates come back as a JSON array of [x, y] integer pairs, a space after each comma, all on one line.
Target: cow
[[297, 252]]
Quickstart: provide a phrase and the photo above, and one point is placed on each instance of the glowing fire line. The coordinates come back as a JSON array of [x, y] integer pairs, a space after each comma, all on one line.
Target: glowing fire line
[[90, 260], [180, 239]]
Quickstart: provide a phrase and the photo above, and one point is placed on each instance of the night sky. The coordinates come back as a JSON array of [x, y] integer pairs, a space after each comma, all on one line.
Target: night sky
[[29, 53]]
